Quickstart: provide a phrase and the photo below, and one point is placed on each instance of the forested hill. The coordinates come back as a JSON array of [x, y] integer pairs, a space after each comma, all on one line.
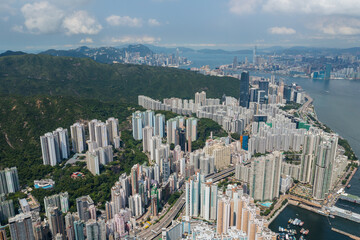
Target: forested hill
[[23, 119], [84, 78]]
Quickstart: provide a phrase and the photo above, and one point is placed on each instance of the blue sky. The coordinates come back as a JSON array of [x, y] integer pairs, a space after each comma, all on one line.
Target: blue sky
[[228, 24]]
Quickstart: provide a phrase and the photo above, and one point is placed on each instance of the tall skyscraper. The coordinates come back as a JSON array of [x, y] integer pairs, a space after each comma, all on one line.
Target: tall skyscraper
[[55, 146], [265, 176], [311, 143], [244, 89], [112, 125], [324, 164], [223, 217], [137, 124], [9, 181], [327, 71], [78, 141], [254, 56], [79, 230], [49, 149], [134, 179], [82, 204], [155, 143], [101, 134], [92, 230], [56, 221], [147, 135], [149, 118], [264, 86], [91, 126], [171, 126], [200, 98], [21, 227], [6, 210], [69, 226], [159, 129], [93, 163], [235, 62], [191, 129], [62, 140], [61, 201], [104, 154]]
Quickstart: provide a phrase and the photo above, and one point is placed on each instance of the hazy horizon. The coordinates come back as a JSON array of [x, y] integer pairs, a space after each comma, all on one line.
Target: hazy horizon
[[228, 24]]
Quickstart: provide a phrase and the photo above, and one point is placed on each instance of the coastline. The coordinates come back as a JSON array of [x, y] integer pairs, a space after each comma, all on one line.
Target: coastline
[[303, 203]]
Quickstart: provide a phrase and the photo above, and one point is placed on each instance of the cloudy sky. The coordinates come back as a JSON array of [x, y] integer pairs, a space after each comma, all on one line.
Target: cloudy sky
[[32, 25]]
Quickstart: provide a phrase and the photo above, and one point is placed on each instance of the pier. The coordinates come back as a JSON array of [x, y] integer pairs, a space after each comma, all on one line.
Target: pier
[[345, 214], [350, 198], [345, 233]]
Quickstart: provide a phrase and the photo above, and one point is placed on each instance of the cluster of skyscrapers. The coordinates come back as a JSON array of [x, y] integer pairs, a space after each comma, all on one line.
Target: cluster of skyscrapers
[[258, 159], [55, 146], [140, 120], [236, 215], [102, 137], [271, 132]]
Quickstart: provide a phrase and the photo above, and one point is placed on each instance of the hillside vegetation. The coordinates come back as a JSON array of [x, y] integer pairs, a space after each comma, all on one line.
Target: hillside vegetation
[[80, 77], [24, 119]]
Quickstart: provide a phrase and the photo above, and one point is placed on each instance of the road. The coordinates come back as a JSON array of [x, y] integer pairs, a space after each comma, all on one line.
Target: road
[[154, 230], [304, 107]]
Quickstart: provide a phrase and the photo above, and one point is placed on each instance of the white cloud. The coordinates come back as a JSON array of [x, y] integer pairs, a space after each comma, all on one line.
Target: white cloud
[[281, 30], [133, 39], [18, 28], [338, 26], [319, 7], [243, 6], [80, 22], [115, 20], [5, 18], [6, 6], [86, 40], [153, 22], [42, 17]]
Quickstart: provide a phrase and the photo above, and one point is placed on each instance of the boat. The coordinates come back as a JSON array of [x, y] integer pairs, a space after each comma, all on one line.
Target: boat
[[301, 223], [348, 186], [306, 232], [290, 221]]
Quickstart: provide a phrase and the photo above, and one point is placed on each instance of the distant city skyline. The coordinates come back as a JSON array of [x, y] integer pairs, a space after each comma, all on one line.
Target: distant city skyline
[[228, 24]]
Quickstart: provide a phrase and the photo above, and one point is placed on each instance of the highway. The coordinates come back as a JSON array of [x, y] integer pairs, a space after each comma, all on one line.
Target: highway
[[155, 230], [304, 107]]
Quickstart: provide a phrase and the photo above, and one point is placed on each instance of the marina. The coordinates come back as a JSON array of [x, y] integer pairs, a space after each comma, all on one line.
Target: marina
[[319, 226]]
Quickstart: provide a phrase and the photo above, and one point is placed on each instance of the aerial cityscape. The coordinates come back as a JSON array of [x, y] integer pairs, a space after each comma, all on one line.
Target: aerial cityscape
[[171, 120]]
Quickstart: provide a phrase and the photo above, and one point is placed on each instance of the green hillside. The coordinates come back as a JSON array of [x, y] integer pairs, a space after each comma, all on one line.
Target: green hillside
[[24, 119], [85, 78]]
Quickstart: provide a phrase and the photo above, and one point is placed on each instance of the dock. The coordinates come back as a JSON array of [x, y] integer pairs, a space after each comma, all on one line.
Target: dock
[[345, 233], [350, 198], [336, 211]]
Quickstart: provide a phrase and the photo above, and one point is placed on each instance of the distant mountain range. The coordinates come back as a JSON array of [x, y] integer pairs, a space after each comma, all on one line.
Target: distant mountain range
[[111, 54], [11, 53], [102, 54]]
